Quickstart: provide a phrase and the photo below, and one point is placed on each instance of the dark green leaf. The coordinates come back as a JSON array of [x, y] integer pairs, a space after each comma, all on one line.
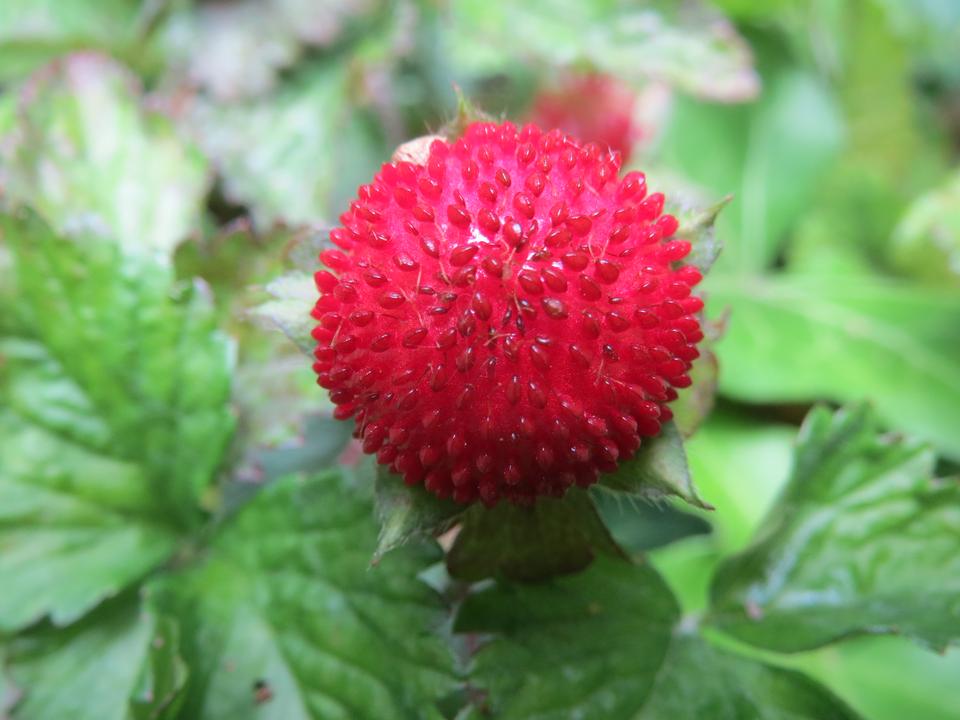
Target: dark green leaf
[[587, 645], [234, 261], [285, 602], [699, 681], [121, 663], [799, 339], [638, 526], [87, 157], [606, 643], [861, 541], [322, 443], [551, 537], [658, 469], [705, 57], [409, 512]]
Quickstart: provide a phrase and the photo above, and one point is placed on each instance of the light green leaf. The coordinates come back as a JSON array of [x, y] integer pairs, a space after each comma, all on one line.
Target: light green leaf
[[606, 643], [807, 338], [285, 601], [87, 157], [409, 512], [294, 295], [201, 43], [145, 354], [705, 57], [697, 225], [888, 678], [121, 663], [555, 536], [658, 469], [926, 243], [861, 541], [741, 464], [695, 403], [295, 156], [741, 150], [163, 676], [69, 525], [116, 418], [890, 156], [34, 31]]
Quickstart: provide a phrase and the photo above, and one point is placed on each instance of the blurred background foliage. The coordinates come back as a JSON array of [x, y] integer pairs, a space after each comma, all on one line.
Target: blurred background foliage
[[835, 125]]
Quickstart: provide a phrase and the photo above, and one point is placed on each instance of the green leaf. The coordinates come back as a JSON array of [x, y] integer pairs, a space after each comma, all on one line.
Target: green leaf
[[145, 354], [552, 537], [34, 31], [888, 678], [10, 694], [741, 150], [638, 526], [163, 676], [285, 602], [606, 643], [297, 155], [705, 57], [87, 157], [698, 681], [323, 440], [69, 525], [861, 541], [409, 512], [890, 155], [115, 420], [658, 469], [120, 663], [568, 647], [695, 403], [235, 261], [740, 463], [201, 43], [697, 225], [294, 295], [927, 241], [799, 339]]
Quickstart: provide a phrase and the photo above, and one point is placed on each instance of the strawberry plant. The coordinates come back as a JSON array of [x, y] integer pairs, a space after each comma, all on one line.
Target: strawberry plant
[[478, 360]]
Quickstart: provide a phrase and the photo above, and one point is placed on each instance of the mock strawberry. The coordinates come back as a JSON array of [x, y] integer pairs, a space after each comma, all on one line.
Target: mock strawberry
[[507, 319], [592, 107]]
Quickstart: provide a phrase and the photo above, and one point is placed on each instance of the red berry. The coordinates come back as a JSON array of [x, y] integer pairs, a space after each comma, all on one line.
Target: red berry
[[507, 319], [594, 108]]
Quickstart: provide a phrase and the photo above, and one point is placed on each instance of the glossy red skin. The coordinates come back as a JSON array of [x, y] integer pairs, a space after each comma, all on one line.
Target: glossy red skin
[[508, 319]]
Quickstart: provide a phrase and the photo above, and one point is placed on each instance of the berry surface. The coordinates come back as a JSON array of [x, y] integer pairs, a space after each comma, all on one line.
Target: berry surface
[[508, 319]]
